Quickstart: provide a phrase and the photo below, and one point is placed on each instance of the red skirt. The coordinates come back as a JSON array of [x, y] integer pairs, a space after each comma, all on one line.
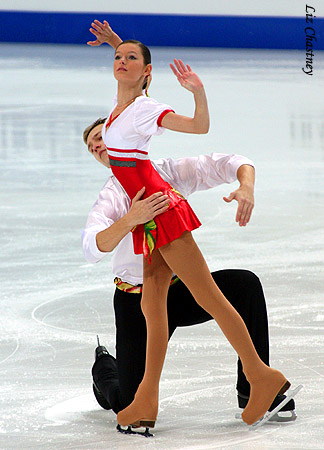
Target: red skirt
[[165, 227]]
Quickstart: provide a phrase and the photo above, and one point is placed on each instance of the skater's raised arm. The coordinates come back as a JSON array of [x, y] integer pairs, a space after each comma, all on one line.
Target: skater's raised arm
[[103, 34], [199, 123]]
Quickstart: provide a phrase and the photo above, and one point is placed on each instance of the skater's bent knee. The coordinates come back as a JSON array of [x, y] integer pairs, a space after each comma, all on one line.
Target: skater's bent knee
[[251, 278]]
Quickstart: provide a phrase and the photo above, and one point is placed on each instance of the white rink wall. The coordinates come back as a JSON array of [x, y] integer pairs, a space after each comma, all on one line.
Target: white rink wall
[[286, 8]]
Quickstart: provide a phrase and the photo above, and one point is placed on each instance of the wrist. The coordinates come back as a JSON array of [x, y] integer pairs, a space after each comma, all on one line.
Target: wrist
[[129, 220], [246, 176], [115, 40], [199, 91], [247, 188], [247, 185]]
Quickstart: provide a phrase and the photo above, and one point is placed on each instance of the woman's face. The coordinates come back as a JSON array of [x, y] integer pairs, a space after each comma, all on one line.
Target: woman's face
[[129, 64]]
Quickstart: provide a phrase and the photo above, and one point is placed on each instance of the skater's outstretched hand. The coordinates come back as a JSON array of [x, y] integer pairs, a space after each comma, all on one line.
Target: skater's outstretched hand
[[245, 199], [244, 195], [186, 77], [103, 34]]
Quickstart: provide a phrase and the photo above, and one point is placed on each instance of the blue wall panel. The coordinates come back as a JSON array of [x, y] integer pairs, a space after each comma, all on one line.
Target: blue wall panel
[[162, 30]]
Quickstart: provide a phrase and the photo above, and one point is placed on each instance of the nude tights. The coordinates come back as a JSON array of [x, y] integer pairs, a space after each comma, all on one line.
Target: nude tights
[[184, 258]]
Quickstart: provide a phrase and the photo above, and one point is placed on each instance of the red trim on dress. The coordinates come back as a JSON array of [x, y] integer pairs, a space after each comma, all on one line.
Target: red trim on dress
[[164, 113], [133, 150], [110, 121]]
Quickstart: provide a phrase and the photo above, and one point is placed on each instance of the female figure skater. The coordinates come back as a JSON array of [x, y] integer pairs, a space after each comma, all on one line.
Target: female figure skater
[[166, 242]]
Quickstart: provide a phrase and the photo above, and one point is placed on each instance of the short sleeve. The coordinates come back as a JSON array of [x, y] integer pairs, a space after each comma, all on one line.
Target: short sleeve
[[148, 116]]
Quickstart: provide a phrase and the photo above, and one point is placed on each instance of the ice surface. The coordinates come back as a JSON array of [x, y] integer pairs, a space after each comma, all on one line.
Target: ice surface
[[53, 303]]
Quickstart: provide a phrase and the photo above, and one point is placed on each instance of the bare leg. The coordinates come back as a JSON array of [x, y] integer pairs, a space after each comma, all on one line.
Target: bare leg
[[185, 259], [156, 282]]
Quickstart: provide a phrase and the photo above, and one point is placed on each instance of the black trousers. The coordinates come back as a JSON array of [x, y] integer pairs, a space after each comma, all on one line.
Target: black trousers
[[119, 378]]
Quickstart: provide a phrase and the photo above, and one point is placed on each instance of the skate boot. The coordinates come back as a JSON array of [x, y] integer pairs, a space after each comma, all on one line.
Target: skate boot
[[101, 374], [264, 390], [286, 414], [133, 415]]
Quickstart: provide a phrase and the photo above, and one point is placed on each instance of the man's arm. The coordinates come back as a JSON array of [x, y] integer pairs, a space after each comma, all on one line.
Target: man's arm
[[244, 195], [204, 172], [104, 34], [141, 211]]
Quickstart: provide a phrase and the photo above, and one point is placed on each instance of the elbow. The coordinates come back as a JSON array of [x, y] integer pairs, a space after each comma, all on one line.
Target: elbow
[[91, 252], [203, 129], [202, 126], [207, 127], [103, 246], [92, 259]]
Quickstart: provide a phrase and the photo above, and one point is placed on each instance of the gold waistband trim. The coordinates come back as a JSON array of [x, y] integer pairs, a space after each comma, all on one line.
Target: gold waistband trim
[[137, 289]]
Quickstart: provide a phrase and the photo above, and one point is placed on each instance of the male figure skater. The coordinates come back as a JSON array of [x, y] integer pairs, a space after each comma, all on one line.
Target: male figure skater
[[109, 226]]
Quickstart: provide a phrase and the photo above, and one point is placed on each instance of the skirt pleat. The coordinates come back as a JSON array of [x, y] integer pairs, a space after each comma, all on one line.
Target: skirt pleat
[[169, 226]]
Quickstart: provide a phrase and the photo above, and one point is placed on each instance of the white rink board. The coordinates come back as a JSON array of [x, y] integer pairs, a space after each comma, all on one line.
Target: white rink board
[[286, 8]]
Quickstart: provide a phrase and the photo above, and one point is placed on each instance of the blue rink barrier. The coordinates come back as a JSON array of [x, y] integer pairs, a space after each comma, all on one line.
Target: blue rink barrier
[[162, 30]]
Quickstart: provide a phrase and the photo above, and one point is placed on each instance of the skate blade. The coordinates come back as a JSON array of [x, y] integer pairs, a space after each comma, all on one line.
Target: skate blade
[[269, 415], [287, 416], [129, 430]]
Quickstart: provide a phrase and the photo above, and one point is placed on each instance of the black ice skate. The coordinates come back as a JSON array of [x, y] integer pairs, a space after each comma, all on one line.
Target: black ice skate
[[100, 398], [100, 352]]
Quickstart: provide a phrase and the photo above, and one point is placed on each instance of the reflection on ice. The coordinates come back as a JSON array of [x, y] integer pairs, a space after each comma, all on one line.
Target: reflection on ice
[[53, 303]]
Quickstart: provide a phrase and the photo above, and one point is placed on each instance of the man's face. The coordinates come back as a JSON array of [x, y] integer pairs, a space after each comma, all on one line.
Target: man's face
[[97, 147]]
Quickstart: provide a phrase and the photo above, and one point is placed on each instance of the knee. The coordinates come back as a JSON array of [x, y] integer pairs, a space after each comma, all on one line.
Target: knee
[[253, 287], [250, 279], [145, 306], [154, 306]]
